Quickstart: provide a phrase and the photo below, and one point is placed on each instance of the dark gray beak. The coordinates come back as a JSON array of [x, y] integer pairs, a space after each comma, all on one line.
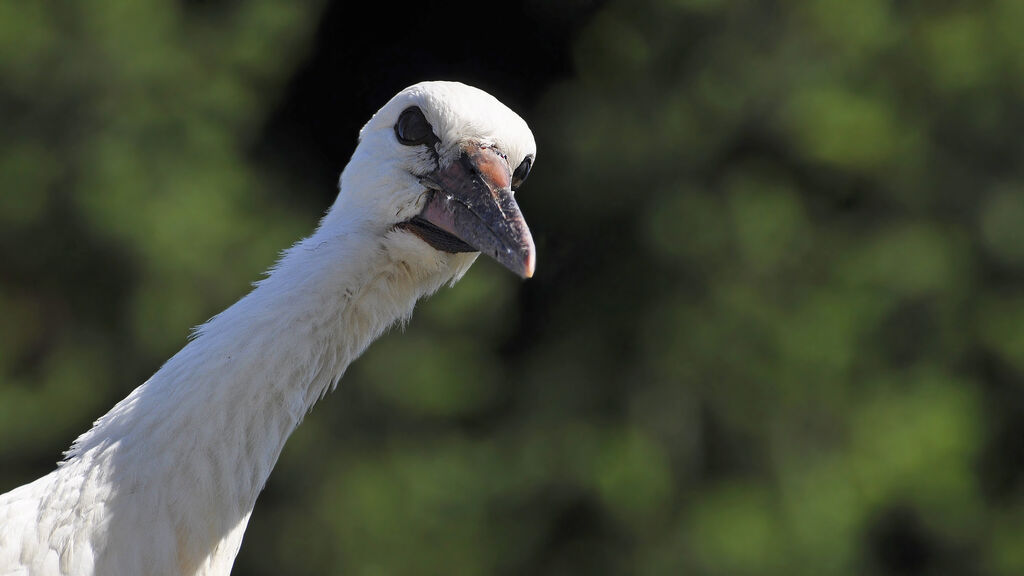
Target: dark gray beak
[[471, 209]]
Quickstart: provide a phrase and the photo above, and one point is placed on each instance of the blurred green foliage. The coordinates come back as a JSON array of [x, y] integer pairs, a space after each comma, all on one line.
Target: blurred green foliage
[[777, 326]]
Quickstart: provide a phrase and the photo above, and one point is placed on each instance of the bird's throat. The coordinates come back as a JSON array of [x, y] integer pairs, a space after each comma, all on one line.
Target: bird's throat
[[211, 423]]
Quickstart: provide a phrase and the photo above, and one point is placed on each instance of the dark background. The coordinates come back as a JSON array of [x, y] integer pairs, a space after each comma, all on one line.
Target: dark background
[[777, 325]]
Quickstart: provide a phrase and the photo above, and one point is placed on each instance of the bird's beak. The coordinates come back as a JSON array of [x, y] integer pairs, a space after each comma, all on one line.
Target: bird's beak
[[471, 209]]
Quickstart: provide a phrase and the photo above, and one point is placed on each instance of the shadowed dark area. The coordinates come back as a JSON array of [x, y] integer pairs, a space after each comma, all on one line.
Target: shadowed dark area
[[353, 67]]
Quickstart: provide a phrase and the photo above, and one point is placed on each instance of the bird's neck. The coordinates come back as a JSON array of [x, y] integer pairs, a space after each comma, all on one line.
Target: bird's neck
[[198, 440]]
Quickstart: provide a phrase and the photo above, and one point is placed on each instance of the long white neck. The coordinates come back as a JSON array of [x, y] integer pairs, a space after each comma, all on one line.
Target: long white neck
[[191, 448]]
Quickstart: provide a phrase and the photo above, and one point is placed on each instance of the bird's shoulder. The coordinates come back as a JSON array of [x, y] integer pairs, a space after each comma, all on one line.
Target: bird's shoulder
[[44, 526]]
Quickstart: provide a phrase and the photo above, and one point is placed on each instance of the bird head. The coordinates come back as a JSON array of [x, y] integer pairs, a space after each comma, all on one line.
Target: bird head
[[434, 176]]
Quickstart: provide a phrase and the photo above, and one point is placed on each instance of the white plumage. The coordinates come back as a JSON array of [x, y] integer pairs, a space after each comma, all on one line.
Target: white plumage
[[165, 482]]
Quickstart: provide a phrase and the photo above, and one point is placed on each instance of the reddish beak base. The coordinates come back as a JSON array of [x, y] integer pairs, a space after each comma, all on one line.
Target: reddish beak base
[[472, 209]]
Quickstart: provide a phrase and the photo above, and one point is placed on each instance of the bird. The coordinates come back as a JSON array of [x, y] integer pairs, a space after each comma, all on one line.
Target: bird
[[166, 481]]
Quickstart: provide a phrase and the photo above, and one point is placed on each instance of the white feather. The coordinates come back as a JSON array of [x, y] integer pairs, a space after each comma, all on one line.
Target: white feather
[[164, 483]]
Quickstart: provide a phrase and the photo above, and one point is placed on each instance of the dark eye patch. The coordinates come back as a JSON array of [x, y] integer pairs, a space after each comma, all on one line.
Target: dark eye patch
[[521, 173], [412, 128]]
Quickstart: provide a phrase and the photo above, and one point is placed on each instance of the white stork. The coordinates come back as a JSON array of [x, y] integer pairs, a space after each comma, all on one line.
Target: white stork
[[165, 482]]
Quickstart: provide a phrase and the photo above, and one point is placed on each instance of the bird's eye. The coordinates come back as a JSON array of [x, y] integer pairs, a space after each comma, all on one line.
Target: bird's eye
[[519, 176], [412, 128]]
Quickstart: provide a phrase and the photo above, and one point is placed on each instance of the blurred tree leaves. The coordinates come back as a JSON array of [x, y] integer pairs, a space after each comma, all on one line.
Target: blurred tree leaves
[[818, 188], [127, 184]]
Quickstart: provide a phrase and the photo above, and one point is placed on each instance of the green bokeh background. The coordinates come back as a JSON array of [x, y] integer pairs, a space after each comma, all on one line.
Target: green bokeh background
[[777, 325]]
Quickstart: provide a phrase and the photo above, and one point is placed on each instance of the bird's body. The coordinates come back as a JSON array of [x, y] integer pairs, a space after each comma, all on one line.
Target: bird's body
[[165, 482]]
